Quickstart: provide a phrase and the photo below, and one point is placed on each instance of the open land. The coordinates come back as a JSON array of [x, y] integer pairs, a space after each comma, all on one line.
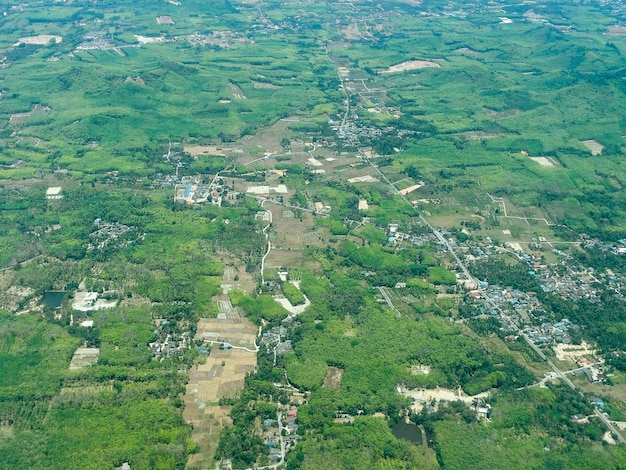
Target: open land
[[222, 375], [179, 174]]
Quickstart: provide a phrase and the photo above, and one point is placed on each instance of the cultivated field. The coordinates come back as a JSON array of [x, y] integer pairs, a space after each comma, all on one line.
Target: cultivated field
[[84, 357], [222, 375]]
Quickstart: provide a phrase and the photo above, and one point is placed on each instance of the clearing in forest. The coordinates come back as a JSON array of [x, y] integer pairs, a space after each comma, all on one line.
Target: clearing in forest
[[411, 65], [265, 85], [40, 40], [422, 396], [206, 150], [595, 147], [467, 51], [237, 92], [548, 162], [333, 378], [501, 114], [84, 357]]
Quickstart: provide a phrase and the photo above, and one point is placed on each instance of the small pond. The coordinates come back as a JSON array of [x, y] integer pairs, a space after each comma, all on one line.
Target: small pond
[[52, 299], [410, 432]]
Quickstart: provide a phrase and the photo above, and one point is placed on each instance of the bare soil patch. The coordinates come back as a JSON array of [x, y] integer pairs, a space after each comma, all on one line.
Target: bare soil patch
[[616, 30], [410, 189], [206, 150], [572, 352], [501, 114], [411, 65], [222, 375], [351, 32], [422, 396], [237, 92], [548, 162], [264, 85], [467, 51], [595, 147], [479, 135], [84, 357], [148, 39], [11, 297], [40, 40], [18, 119], [333, 378]]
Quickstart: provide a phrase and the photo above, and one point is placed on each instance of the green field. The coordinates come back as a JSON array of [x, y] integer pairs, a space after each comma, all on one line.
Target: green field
[[322, 135]]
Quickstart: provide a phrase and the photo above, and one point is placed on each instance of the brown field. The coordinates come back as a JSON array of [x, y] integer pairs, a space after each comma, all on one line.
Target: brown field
[[333, 378], [291, 238], [351, 32], [196, 150], [222, 375]]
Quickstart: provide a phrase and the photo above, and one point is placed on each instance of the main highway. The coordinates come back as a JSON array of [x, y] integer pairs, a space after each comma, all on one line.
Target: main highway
[[461, 265]]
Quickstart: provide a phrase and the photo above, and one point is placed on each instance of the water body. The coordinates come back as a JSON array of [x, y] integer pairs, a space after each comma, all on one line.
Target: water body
[[410, 432], [52, 299]]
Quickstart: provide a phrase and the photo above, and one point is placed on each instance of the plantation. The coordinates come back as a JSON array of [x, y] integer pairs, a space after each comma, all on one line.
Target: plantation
[[444, 182]]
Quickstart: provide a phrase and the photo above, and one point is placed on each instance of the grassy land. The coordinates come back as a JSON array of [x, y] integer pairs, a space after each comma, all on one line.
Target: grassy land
[[106, 114]]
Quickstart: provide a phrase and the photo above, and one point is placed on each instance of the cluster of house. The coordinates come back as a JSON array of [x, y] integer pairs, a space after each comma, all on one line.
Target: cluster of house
[[591, 370], [351, 131], [112, 234], [170, 345], [289, 428], [284, 347], [196, 193], [549, 333], [525, 310], [163, 181], [273, 335], [394, 235], [618, 248]]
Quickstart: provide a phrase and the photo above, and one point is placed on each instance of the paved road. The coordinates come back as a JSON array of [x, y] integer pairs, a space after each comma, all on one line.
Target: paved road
[[283, 451], [269, 246], [609, 425], [262, 200], [255, 350], [387, 296], [469, 276]]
